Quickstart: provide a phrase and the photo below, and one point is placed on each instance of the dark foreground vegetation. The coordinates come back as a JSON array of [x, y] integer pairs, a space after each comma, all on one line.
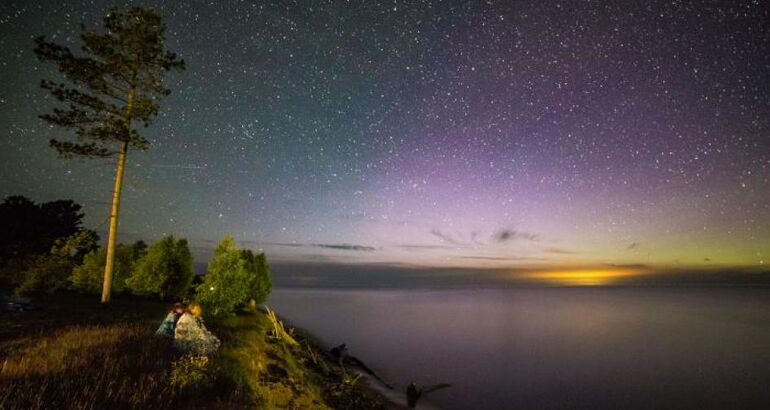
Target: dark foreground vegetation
[[60, 348], [44, 249], [74, 353]]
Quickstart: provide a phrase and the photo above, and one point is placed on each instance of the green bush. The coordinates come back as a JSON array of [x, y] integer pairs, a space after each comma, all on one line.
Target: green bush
[[47, 273], [50, 272], [165, 270], [190, 371], [259, 281], [235, 277], [89, 275]]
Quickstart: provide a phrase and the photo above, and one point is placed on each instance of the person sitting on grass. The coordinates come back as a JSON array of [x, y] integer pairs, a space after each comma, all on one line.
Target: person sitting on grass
[[168, 325], [191, 335]]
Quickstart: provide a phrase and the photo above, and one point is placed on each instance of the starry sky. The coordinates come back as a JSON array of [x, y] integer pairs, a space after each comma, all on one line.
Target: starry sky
[[426, 133]]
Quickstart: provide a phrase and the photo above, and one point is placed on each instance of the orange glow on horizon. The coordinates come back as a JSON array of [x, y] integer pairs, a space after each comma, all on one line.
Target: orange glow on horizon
[[582, 277]]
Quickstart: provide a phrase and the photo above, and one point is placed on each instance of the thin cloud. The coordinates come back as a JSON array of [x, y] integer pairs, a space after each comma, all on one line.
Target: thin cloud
[[445, 237], [506, 235], [423, 247], [288, 245], [560, 251], [501, 258], [337, 246], [345, 247], [628, 265]]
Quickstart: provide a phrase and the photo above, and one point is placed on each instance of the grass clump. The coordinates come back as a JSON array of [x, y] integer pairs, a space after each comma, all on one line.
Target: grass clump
[[190, 371]]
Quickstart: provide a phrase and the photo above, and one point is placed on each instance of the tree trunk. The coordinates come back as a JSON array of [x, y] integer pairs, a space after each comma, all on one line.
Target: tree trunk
[[113, 235], [107, 286]]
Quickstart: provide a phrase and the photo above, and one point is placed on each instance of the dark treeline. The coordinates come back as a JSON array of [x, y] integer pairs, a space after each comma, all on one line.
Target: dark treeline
[[29, 228], [45, 249]]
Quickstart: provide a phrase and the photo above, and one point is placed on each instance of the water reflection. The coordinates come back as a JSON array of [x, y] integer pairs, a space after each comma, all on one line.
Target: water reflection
[[554, 347]]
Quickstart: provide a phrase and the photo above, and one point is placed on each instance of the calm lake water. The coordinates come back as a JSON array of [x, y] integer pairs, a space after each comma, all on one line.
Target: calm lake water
[[554, 347]]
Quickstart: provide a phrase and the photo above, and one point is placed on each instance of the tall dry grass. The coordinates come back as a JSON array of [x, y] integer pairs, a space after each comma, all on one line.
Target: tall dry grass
[[89, 367]]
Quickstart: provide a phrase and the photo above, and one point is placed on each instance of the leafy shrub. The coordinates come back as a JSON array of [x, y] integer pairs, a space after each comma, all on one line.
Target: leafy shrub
[[50, 272], [166, 270], [235, 277], [47, 273], [190, 371], [89, 275], [262, 282]]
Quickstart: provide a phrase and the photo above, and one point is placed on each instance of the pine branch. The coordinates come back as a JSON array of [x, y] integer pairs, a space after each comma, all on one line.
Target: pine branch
[[128, 57], [68, 149]]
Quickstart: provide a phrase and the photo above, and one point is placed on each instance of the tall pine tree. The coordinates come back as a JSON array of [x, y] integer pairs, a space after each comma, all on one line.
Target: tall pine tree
[[116, 83]]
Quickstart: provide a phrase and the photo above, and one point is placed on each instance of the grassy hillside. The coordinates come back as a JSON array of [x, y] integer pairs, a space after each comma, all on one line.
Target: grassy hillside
[[75, 353]]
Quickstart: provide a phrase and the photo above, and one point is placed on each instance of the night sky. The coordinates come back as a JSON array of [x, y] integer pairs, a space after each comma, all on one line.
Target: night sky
[[459, 133]]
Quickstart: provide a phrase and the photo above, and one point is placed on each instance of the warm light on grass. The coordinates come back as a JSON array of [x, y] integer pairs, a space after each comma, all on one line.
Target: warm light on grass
[[582, 277]]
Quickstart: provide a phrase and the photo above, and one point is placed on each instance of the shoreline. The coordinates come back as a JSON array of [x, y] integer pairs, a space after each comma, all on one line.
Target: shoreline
[[390, 398]]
